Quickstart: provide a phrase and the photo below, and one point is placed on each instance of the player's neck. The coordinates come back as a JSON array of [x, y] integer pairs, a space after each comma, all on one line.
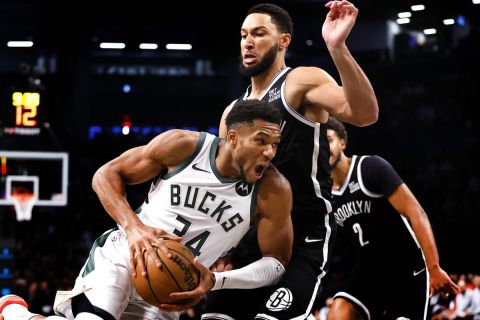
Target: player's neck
[[224, 161], [340, 172], [261, 82]]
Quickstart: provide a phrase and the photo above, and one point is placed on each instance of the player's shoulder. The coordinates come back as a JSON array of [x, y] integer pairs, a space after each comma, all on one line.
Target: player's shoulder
[[274, 181], [374, 160], [180, 137], [308, 73], [177, 143]]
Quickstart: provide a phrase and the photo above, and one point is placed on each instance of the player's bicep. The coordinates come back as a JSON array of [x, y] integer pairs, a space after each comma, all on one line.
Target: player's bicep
[[404, 201], [222, 128], [319, 91], [275, 230], [135, 166]]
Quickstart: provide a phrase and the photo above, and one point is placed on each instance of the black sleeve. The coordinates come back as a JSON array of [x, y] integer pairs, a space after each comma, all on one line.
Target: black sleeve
[[379, 176]]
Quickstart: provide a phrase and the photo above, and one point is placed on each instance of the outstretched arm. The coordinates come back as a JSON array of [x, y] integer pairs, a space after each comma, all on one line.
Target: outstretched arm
[[135, 166], [403, 200]]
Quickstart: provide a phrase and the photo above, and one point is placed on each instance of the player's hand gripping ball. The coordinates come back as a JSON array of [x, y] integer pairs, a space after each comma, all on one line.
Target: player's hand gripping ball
[[176, 274]]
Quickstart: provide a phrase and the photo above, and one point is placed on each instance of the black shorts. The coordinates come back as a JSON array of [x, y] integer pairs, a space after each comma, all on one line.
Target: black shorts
[[389, 294], [294, 295]]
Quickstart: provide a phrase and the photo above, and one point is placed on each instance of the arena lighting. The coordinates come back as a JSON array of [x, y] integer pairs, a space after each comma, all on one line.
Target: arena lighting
[[112, 45], [148, 46], [448, 22], [404, 14], [403, 21], [19, 44], [418, 7], [179, 46], [476, 1], [430, 31]]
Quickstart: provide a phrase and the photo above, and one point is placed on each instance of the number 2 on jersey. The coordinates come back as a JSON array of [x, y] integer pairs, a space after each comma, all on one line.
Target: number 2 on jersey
[[358, 230], [195, 243]]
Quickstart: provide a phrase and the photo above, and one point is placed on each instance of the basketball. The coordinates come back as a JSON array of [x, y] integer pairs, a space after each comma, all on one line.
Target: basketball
[[176, 274]]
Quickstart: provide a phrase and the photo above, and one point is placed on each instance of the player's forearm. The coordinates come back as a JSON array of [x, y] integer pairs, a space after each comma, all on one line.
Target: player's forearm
[[263, 272], [424, 234], [111, 193], [357, 87]]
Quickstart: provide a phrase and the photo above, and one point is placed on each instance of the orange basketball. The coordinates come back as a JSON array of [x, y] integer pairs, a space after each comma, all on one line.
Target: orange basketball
[[176, 274]]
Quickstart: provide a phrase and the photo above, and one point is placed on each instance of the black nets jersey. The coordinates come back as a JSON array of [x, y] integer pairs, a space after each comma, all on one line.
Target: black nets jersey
[[302, 156], [381, 236]]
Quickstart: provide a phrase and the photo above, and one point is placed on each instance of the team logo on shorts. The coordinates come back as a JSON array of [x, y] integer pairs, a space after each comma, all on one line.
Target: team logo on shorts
[[243, 189], [280, 300]]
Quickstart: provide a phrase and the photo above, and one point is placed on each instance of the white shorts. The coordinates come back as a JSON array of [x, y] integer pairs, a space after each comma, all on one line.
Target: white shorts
[[107, 282]]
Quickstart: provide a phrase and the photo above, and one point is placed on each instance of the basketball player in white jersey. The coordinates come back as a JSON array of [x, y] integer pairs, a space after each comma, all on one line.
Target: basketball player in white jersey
[[207, 192], [397, 262]]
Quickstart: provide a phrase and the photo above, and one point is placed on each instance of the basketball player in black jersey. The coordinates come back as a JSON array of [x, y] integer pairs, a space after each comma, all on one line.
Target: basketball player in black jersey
[[306, 96], [396, 255]]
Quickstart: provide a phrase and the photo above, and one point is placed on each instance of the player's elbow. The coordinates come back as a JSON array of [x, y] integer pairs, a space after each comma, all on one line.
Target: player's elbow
[[98, 178], [371, 115]]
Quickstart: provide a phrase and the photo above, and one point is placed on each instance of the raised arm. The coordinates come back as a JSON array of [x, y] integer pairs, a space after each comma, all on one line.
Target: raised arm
[[135, 166], [354, 101], [403, 200]]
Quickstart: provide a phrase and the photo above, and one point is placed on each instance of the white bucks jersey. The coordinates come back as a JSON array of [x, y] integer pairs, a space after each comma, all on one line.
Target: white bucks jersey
[[194, 201]]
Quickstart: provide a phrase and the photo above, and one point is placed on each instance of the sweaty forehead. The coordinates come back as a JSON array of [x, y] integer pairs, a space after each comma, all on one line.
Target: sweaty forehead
[[257, 20]]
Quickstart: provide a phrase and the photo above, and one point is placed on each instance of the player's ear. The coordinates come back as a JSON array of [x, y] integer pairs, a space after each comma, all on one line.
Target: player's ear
[[232, 137], [285, 39], [343, 144]]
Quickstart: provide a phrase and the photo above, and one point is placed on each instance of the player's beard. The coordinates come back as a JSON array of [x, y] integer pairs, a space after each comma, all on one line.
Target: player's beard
[[261, 66]]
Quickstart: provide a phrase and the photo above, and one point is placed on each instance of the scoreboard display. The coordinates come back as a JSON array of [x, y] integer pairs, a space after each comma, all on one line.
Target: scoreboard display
[[21, 112]]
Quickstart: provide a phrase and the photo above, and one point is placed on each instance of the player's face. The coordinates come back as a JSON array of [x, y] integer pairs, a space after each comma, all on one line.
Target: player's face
[[337, 146], [255, 148], [259, 44]]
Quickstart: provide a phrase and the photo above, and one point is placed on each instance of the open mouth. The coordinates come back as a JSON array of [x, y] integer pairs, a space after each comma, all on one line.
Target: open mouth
[[259, 170], [249, 58]]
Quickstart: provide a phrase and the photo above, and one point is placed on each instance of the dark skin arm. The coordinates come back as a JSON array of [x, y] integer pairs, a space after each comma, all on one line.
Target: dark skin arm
[[275, 235], [403, 200], [136, 166]]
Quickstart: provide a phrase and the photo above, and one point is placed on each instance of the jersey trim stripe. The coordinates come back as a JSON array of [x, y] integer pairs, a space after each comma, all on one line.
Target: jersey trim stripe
[[291, 110], [355, 301], [326, 244], [274, 80], [410, 230], [316, 152], [213, 165], [340, 191], [360, 181], [186, 162], [427, 292]]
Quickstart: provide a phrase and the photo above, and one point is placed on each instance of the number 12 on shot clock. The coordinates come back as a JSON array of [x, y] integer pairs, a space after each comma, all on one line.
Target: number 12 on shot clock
[[26, 105]]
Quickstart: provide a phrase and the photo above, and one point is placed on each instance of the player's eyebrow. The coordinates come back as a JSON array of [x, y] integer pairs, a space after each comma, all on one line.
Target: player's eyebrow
[[254, 29]]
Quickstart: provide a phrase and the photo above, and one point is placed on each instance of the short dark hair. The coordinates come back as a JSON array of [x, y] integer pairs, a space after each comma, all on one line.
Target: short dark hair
[[280, 17], [338, 127], [246, 111]]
